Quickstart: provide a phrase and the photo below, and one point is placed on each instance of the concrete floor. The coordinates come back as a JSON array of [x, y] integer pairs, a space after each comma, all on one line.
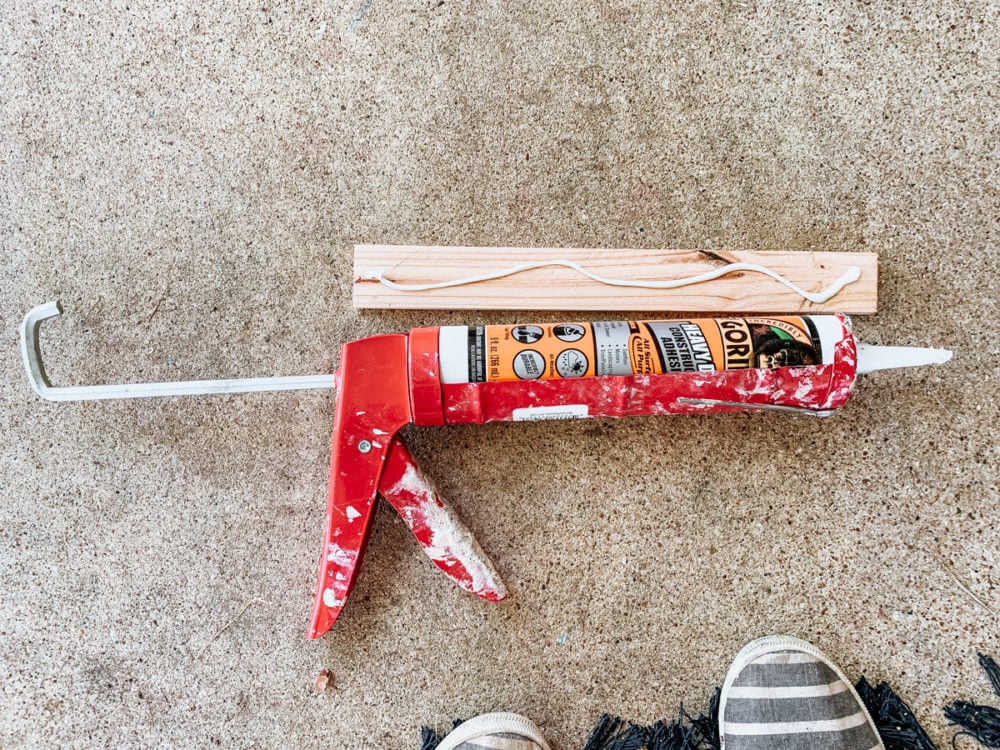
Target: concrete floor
[[188, 179]]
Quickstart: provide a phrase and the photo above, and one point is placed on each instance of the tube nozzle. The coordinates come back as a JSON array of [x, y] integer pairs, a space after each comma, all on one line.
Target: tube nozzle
[[871, 358]]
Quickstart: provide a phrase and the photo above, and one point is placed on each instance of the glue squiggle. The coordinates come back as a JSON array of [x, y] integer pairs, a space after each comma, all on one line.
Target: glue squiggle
[[849, 276]]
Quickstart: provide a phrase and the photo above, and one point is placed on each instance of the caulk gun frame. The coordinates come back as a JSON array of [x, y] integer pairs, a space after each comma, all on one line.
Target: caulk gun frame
[[32, 355]]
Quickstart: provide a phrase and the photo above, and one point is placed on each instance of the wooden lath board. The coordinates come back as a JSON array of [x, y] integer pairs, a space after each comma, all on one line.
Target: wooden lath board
[[558, 288]]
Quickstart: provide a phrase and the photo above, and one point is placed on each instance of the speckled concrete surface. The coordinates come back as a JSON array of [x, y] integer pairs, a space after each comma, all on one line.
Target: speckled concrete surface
[[189, 179]]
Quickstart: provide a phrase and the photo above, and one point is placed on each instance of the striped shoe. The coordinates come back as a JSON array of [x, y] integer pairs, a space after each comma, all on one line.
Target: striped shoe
[[495, 732], [782, 693]]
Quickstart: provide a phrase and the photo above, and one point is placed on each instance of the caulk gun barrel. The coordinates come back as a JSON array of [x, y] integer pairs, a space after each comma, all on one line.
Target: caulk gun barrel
[[623, 348]]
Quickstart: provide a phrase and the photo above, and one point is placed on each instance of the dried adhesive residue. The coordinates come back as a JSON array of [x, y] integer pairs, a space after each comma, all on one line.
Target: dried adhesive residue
[[342, 557], [332, 599], [338, 575], [445, 539]]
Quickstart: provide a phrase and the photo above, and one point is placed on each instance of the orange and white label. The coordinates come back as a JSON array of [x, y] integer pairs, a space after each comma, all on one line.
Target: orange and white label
[[576, 350]]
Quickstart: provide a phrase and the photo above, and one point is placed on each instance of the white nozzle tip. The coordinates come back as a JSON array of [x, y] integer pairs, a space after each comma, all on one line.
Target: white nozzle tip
[[871, 358]]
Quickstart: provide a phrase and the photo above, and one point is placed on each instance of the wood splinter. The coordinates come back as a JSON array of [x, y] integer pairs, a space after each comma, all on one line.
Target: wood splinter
[[323, 680]]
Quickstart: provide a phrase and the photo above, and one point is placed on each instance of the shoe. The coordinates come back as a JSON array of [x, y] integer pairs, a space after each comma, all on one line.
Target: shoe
[[495, 732], [782, 693]]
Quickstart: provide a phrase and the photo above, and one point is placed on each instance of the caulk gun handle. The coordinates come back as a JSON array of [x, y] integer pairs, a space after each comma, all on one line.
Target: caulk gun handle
[[373, 404]]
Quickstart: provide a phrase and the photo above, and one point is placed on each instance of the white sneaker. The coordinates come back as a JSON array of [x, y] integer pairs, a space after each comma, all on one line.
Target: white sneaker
[[500, 731]]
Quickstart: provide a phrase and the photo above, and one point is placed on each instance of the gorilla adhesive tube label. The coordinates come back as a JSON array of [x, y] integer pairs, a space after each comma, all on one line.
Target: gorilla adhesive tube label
[[575, 350]]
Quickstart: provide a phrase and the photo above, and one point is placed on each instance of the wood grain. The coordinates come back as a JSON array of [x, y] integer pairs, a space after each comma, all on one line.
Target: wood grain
[[558, 288]]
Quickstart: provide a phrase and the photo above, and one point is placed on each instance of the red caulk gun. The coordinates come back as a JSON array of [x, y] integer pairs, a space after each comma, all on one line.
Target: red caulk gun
[[478, 374]]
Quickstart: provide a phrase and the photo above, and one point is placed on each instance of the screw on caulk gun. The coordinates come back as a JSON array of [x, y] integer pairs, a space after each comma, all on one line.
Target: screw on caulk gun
[[436, 526], [459, 374]]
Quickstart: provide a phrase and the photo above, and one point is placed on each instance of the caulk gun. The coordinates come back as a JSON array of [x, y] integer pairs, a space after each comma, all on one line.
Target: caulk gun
[[478, 374]]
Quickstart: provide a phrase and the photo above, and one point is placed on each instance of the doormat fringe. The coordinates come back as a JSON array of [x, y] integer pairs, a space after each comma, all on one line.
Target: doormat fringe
[[894, 720]]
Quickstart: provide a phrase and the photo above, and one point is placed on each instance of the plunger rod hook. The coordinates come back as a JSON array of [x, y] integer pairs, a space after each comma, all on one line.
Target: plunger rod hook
[[32, 355]]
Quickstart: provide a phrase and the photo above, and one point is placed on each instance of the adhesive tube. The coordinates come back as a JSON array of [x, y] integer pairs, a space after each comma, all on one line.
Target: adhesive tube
[[474, 354]]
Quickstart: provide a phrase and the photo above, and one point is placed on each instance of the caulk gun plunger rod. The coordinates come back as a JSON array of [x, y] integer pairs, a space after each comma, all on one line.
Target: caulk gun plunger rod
[[32, 356]]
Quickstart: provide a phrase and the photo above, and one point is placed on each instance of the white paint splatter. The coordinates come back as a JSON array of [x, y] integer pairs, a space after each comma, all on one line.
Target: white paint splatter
[[352, 513], [804, 391], [451, 541], [345, 558], [331, 599]]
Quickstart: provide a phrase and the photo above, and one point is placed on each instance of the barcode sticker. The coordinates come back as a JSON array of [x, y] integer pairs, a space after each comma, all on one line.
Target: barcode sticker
[[536, 413]]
